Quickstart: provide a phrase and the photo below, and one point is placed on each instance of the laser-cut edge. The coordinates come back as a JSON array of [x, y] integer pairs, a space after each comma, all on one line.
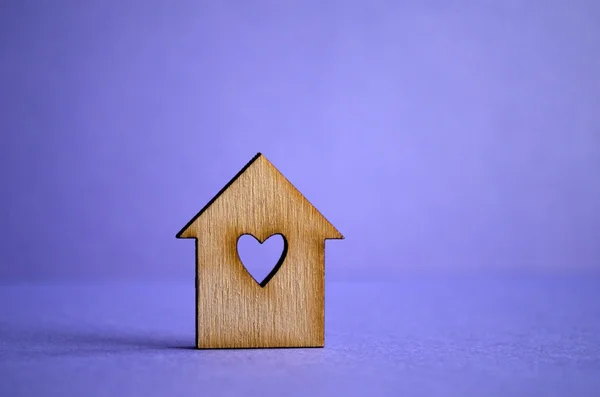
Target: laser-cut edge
[[199, 214]]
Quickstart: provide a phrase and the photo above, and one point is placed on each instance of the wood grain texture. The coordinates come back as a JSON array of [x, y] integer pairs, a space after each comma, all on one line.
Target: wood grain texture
[[233, 310]]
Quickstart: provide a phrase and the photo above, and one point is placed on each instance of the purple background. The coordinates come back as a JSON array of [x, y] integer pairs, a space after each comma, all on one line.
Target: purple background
[[455, 144], [436, 136]]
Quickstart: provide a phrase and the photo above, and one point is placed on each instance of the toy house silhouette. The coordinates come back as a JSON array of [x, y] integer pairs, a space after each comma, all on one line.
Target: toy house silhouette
[[285, 310]]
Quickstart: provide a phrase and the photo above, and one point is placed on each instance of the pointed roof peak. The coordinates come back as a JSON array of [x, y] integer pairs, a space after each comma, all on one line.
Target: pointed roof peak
[[258, 158]]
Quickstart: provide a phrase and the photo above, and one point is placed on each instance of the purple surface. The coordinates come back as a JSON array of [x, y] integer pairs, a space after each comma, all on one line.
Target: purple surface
[[418, 337], [437, 136], [440, 137]]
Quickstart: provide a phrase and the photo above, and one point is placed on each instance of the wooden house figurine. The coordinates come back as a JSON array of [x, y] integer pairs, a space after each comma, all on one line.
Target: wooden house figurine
[[287, 308]]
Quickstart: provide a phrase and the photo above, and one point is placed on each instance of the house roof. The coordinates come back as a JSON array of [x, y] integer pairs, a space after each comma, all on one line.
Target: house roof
[[199, 214]]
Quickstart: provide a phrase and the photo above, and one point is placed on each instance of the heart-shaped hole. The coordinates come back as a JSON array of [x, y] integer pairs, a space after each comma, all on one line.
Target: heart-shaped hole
[[262, 259]]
